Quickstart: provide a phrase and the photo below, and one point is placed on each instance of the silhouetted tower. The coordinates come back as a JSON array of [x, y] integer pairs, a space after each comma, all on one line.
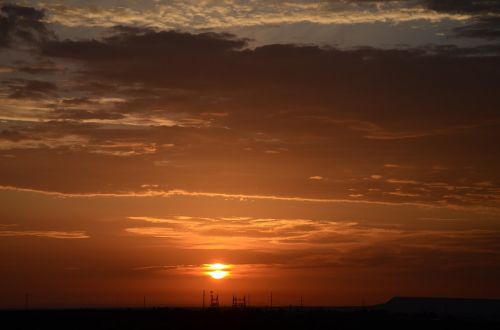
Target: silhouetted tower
[[214, 300], [239, 303], [203, 304]]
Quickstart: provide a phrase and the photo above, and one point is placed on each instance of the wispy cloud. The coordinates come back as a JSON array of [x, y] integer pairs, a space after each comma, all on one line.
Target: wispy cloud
[[237, 270], [310, 243], [45, 234], [247, 197], [276, 234], [238, 233]]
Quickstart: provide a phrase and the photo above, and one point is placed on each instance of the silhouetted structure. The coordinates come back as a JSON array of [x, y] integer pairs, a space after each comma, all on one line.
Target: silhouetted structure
[[239, 303], [214, 300]]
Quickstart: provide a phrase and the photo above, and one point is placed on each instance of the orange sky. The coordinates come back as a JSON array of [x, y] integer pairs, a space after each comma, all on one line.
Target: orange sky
[[135, 151]]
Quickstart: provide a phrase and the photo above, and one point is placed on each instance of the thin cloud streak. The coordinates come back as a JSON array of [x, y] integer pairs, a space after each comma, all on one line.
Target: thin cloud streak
[[45, 233], [178, 192], [244, 197]]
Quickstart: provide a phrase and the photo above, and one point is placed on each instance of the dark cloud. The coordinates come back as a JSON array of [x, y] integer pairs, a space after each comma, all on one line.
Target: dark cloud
[[485, 23], [486, 27], [22, 24], [464, 6], [76, 101], [33, 89], [41, 67], [214, 70], [132, 42], [12, 135], [80, 114], [166, 58], [473, 7]]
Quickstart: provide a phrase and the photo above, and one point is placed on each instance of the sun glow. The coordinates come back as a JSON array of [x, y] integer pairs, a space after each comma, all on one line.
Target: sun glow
[[217, 271]]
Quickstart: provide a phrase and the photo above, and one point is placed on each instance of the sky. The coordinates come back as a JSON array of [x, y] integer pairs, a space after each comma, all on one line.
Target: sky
[[340, 151]]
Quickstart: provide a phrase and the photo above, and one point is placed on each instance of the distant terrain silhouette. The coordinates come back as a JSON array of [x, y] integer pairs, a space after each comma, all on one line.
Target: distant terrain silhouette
[[397, 313]]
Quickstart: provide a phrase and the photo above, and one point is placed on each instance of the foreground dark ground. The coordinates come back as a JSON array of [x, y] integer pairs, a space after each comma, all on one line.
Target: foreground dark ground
[[259, 319]]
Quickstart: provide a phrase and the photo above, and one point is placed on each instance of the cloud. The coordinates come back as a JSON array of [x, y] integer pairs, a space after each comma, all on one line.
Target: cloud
[[150, 101], [227, 14], [484, 21], [255, 233], [31, 89], [6, 69], [464, 6], [428, 195], [286, 231], [11, 140], [22, 25], [44, 233], [191, 54], [236, 271], [83, 114], [464, 205], [339, 245], [219, 65], [127, 43], [486, 27]]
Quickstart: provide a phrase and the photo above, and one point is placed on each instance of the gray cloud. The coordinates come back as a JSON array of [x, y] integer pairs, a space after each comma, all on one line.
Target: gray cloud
[[31, 89], [486, 27], [23, 25], [464, 6]]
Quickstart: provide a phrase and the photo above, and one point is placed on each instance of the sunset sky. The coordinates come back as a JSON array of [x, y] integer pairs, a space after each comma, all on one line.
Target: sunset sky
[[342, 151]]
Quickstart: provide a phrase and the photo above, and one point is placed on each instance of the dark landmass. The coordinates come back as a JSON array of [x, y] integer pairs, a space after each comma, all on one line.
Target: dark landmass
[[398, 313], [483, 308]]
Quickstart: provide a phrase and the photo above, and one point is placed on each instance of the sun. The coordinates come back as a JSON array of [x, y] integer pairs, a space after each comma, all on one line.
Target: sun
[[217, 271], [218, 274]]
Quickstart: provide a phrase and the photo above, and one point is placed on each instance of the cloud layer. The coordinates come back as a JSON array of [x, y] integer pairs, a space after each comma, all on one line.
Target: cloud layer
[[188, 110]]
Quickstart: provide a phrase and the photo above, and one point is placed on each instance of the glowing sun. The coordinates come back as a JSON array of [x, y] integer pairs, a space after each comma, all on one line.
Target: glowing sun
[[217, 271]]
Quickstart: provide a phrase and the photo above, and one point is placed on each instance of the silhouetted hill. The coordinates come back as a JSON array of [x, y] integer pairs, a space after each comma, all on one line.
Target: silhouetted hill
[[444, 306]]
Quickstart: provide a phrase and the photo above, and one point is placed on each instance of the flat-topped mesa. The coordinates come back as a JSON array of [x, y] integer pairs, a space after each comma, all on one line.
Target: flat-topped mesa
[[443, 306]]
